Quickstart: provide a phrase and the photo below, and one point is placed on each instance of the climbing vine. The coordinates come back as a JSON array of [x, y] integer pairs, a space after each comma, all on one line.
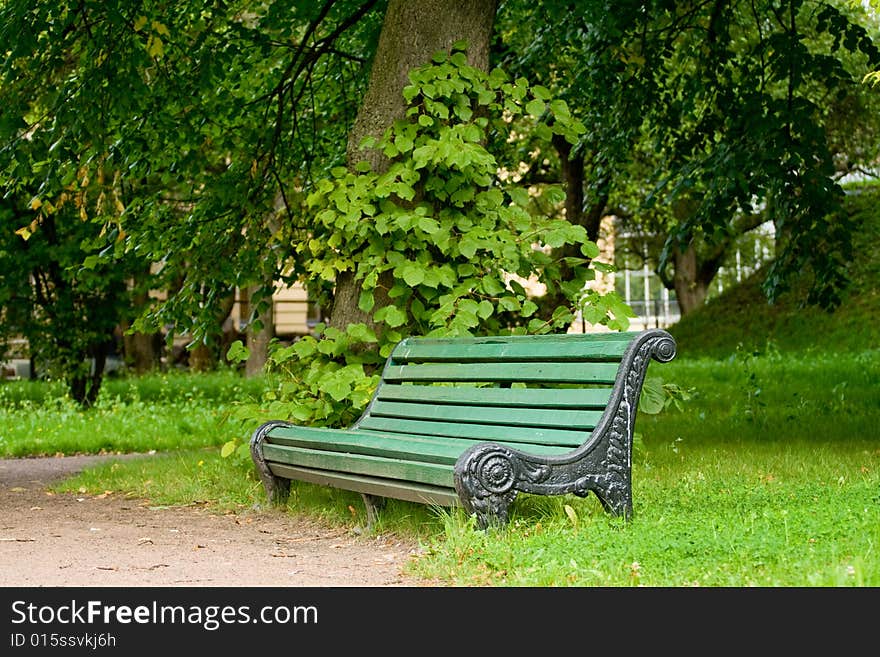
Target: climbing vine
[[443, 236]]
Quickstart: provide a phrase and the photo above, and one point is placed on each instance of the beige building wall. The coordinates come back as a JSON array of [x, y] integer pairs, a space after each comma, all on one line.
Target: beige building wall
[[290, 310]]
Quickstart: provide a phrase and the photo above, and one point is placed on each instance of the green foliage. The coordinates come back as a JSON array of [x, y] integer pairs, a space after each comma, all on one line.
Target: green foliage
[[52, 294], [722, 327], [438, 234], [438, 229], [659, 395], [170, 103], [732, 109]]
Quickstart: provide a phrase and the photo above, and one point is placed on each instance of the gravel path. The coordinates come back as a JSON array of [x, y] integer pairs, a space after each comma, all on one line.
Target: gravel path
[[108, 540]]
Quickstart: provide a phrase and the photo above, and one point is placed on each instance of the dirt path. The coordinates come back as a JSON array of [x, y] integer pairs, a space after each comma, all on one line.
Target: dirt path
[[82, 540]]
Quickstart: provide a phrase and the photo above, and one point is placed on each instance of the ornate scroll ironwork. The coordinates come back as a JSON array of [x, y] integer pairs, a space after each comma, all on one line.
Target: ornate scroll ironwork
[[489, 476]]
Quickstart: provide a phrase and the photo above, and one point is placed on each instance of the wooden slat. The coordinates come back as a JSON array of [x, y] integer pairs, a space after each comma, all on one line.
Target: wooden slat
[[364, 464], [508, 417], [595, 398], [406, 448], [480, 432], [559, 348], [504, 372], [431, 449], [401, 490]]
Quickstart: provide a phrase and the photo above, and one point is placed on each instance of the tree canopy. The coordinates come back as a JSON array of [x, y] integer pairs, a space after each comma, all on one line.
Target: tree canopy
[[200, 147]]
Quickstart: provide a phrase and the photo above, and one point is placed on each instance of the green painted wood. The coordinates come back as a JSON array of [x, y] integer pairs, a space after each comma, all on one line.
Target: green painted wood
[[504, 372], [559, 349], [508, 417], [430, 449], [424, 473], [483, 432], [595, 398], [586, 338], [394, 488]]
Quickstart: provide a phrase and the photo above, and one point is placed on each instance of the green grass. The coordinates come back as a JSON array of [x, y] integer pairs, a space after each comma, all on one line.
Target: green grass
[[156, 412], [761, 515], [178, 478]]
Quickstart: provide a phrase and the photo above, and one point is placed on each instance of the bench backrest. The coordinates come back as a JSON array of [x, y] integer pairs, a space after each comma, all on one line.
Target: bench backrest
[[548, 389]]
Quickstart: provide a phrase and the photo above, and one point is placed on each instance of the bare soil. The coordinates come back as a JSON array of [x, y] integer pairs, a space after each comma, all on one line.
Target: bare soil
[[49, 539]]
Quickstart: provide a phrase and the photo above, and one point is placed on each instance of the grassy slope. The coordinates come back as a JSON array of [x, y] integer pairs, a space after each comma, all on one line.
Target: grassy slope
[[742, 315]]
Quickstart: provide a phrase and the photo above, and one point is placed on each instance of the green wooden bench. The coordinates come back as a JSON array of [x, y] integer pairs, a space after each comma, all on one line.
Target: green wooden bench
[[475, 421]]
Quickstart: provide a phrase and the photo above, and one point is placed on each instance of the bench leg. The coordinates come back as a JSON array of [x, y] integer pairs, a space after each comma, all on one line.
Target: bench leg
[[489, 510], [615, 497], [277, 488], [373, 504], [484, 478]]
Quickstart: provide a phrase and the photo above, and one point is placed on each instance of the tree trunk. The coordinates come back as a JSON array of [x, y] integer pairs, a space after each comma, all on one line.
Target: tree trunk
[[691, 287], [142, 351], [411, 33], [84, 388], [258, 340]]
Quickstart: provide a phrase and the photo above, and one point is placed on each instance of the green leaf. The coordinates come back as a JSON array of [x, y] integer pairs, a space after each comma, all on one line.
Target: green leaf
[[429, 225], [337, 388], [237, 352], [468, 246], [366, 300], [653, 398], [413, 273], [590, 249], [368, 142], [541, 92], [360, 332], [535, 107], [305, 347], [393, 316]]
